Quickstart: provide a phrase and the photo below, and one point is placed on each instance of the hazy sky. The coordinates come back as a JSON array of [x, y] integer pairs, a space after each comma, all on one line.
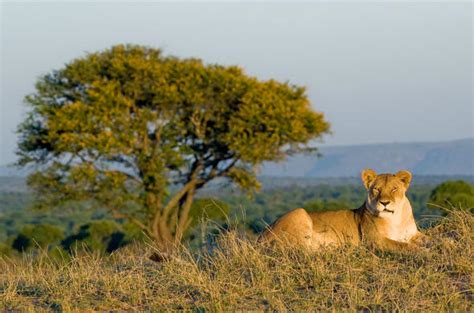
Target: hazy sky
[[381, 72]]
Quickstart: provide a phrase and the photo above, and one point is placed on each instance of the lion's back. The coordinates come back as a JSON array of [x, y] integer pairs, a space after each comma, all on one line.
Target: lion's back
[[336, 226]]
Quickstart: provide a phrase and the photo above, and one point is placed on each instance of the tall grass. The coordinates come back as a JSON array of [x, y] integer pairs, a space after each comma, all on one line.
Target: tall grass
[[241, 275]]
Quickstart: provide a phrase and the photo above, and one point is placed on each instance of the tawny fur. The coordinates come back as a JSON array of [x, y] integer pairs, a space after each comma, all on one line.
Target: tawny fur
[[385, 220]]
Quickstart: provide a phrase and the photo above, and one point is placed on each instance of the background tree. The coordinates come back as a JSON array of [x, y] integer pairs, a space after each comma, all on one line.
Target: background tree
[[459, 194], [139, 133]]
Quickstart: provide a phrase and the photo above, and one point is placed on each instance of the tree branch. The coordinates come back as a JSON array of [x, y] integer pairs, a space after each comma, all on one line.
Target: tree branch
[[215, 173]]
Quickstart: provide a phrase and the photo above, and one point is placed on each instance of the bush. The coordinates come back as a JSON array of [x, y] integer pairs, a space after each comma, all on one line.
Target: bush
[[42, 235], [5, 250], [326, 205], [453, 194], [208, 208], [102, 236]]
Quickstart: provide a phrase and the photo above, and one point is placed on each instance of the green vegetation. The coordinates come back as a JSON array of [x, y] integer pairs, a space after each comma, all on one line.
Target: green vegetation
[[139, 133], [24, 229], [208, 209], [102, 236], [5, 250], [238, 274], [41, 236], [453, 194]]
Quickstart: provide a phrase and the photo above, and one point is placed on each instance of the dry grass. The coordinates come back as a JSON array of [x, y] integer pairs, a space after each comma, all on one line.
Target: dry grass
[[239, 275]]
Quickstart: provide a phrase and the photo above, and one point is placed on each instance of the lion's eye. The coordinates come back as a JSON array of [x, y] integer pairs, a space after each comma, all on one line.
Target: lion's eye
[[376, 190], [394, 189]]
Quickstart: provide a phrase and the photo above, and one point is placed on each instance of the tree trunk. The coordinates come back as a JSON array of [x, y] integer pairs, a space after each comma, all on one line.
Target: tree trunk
[[171, 221]]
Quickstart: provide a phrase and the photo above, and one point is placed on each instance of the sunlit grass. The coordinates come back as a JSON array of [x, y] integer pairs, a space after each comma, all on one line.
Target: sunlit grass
[[241, 275]]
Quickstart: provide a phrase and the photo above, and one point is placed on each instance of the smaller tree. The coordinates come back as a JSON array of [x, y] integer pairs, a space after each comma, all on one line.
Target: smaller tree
[[457, 194]]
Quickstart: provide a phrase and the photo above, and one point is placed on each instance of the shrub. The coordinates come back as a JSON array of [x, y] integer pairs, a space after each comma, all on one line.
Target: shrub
[[453, 194], [326, 205], [208, 208], [5, 250], [41, 235], [102, 236]]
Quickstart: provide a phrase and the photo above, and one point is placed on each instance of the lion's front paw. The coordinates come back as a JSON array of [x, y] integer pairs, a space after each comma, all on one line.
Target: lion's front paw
[[422, 241]]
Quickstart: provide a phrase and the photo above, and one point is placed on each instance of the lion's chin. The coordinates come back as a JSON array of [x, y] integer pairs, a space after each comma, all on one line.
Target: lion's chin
[[386, 213], [380, 212], [383, 212]]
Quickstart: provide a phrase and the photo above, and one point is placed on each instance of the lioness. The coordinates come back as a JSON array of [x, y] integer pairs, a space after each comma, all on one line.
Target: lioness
[[385, 220]]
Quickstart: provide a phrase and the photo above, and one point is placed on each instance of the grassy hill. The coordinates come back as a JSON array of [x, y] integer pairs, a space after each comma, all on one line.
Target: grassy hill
[[237, 274]]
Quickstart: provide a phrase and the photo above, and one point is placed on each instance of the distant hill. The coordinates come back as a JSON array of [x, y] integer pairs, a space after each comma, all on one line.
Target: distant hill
[[439, 158]]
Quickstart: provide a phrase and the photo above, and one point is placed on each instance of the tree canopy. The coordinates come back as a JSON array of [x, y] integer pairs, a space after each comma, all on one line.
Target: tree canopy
[[138, 133]]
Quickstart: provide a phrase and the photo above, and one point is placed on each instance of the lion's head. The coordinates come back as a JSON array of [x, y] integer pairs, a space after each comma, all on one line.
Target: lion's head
[[386, 192]]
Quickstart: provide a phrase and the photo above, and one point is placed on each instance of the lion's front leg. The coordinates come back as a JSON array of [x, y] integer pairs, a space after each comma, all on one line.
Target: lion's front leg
[[386, 244]]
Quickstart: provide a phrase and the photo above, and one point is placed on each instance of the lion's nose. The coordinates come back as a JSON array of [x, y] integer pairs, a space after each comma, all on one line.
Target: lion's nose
[[385, 203]]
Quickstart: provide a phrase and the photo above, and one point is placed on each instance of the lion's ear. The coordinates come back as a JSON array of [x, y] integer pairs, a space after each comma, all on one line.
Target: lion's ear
[[368, 177], [405, 177]]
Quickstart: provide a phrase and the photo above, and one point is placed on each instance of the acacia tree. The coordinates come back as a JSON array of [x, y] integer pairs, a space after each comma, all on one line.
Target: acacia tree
[[138, 133]]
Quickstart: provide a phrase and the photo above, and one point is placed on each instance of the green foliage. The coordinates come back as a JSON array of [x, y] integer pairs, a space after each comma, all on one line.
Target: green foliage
[[15, 213], [253, 214], [326, 205], [5, 250], [102, 236], [208, 216], [132, 233], [33, 236], [122, 126], [453, 193], [208, 208]]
